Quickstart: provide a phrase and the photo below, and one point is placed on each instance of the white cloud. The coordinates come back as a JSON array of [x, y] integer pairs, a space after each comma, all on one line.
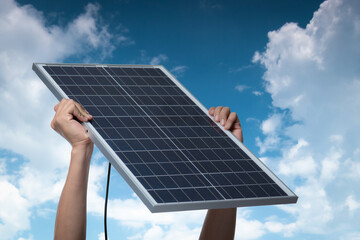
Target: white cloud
[[330, 165], [298, 162], [269, 143], [14, 213], [353, 167], [154, 233], [174, 232], [313, 211], [270, 128], [178, 71], [29, 238], [271, 125], [158, 59], [2, 166], [125, 41], [248, 229], [351, 236], [351, 203], [251, 119], [312, 73], [336, 138], [239, 69], [26, 108], [241, 88], [101, 236], [278, 227], [257, 93], [47, 213]]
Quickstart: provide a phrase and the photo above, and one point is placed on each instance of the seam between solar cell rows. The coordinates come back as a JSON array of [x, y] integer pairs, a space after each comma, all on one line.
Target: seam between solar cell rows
[[149, 86], [166, 126], [236, 186], [221, 186], [145, 138], [154, 116], [167, 135], [203, 161], [144, 105], [95, 95], [190, 174], [170, 149]]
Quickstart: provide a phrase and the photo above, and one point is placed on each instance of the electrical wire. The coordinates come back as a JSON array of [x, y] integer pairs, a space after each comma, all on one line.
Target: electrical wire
[[106, 201]]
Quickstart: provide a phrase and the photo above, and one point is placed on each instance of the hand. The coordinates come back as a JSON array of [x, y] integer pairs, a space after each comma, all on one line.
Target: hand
[[228, 119], [66, 125]]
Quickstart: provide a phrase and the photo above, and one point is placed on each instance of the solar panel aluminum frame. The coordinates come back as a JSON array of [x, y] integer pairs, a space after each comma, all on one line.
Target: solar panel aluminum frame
[[134, 183]]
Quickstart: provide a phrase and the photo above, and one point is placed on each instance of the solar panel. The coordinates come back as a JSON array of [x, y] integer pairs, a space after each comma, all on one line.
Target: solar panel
[[162, 141]]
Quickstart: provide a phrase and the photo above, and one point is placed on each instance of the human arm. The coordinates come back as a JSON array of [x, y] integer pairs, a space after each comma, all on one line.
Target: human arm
[[220, 223], [70, 220]]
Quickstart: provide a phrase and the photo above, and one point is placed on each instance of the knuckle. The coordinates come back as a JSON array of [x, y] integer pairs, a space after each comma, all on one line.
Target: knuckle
[[54, 124], [225, 112]]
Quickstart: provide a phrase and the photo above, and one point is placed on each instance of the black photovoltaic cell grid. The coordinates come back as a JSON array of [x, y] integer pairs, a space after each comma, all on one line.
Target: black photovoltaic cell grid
[[169, 144]]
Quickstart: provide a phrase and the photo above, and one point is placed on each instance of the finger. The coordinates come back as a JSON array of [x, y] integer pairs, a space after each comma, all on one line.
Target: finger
[[232, 121], [212, 111], [79, 114], [74, 111], [217, 112], [52, 124], [56, 107], [61, 105], [83, 111], [224, 114]]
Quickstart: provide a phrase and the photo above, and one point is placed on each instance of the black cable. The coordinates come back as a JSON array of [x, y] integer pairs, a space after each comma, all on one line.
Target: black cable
[[106, 200]]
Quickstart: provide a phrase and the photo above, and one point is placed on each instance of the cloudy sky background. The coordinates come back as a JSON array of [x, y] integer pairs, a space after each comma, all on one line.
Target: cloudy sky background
[[291, 71]]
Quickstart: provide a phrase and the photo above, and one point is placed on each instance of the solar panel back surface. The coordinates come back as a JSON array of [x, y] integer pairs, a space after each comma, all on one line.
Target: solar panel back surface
[[161, 140]]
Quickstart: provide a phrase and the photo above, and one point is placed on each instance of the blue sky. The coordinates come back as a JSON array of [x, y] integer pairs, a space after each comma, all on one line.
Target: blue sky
[[288, 68]]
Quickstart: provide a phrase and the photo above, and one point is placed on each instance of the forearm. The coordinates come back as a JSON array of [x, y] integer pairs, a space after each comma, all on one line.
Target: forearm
[[219, 224], [71, 214]]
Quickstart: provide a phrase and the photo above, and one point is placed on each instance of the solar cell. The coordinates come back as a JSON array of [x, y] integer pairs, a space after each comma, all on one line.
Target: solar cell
[[161, 140]]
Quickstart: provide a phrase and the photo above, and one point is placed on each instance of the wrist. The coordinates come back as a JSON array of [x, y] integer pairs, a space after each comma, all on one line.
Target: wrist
[[83, 145], [83, 150]]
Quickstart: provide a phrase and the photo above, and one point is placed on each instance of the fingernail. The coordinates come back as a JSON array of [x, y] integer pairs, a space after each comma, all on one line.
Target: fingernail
[[222, 122], [216, 117]]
